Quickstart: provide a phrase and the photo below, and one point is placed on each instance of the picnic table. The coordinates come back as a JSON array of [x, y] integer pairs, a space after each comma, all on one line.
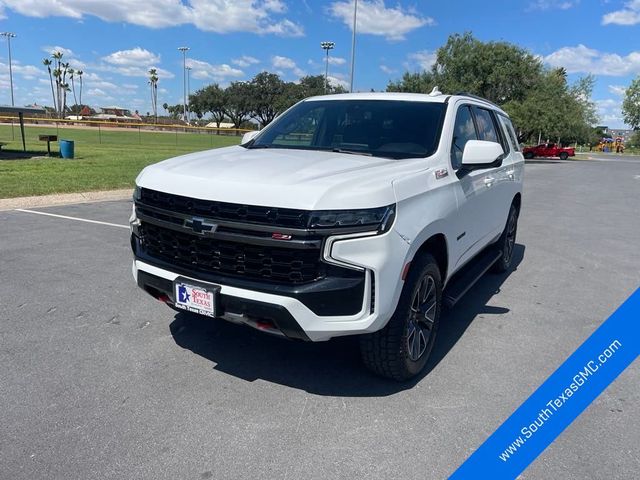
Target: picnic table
[[48, 139]]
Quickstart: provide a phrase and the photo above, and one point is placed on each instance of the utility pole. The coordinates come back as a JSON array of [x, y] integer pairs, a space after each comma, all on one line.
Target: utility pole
[[327, 46], [9, 36], [188, 93], [184, 51], [353, 43]]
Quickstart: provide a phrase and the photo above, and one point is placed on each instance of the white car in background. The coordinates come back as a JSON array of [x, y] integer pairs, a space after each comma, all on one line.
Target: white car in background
[[354, 214]]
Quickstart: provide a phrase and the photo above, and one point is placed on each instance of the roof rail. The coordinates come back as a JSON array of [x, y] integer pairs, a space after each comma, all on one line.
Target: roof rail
[[477, 97]]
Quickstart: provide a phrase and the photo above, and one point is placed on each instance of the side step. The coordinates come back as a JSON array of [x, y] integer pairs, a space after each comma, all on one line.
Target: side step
[[463, 280]]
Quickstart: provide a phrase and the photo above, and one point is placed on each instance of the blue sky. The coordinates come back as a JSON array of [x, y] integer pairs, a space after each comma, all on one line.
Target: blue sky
[[116, 41]]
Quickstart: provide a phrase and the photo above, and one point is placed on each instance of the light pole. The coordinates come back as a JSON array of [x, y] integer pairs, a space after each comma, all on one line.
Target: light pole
[[184, 51], [9, 36], [188, 93], [327, 46], [353, 43]]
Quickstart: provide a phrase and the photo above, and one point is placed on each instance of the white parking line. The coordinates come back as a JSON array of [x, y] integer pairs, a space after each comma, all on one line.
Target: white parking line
[[72, 218]]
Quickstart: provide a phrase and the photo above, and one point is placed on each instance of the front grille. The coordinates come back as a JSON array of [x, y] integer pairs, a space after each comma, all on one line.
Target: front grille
[[210, 255], [279, 217]]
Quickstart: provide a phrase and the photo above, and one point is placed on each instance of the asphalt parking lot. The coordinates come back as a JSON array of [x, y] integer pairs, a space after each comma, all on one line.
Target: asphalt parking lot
[[98, 380]]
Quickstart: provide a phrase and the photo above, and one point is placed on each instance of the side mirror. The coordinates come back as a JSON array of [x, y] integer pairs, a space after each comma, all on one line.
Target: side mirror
[[247, 137], [479, 154]]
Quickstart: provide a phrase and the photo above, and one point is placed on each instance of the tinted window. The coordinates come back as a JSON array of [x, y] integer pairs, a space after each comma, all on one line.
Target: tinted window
[[507, 126], [486, 127], [383, 128], [463, 131]]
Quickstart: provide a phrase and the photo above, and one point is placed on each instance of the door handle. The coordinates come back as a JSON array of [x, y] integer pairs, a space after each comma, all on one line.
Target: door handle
[[489, 181]]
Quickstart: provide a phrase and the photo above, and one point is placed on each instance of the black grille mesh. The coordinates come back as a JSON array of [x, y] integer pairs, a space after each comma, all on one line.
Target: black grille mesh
[[197, 253]]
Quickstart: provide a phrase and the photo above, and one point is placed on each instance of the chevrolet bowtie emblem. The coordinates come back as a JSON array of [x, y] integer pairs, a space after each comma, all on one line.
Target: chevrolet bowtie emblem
[[198, 225]]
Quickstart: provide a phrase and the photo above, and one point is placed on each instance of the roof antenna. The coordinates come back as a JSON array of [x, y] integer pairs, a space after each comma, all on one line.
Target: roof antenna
[[435, 92]]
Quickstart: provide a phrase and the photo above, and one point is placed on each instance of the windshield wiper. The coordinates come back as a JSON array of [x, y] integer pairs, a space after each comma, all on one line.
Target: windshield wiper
[[260, 145], [351, 152]]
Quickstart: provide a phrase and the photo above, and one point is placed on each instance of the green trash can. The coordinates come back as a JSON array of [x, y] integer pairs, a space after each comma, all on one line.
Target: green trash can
[[66, 148]]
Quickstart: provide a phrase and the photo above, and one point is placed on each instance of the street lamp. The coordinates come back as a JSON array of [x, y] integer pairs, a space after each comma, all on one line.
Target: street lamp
[[353, 44], [9, 36], [327, 46], [188, 68], [184, 51]]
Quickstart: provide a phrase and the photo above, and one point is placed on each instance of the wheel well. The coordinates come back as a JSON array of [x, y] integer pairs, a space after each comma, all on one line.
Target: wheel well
[[437, 246], [517, 201]]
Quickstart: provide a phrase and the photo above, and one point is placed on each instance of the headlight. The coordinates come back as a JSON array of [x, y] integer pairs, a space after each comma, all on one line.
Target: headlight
[[379, 219]]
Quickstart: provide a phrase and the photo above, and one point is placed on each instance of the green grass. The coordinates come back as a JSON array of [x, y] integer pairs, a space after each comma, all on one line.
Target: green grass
[[104, 160]]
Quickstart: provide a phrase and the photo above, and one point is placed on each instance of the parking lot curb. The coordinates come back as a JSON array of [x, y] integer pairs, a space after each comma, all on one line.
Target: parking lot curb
[[64, 199]]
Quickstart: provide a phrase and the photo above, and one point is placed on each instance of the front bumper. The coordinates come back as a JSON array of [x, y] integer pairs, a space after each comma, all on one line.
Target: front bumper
[[319, 314]]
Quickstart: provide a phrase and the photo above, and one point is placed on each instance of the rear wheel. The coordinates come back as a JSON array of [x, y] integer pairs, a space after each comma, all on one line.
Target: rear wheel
[[528, 155], [401, 349], [507, 241], [563, 155]]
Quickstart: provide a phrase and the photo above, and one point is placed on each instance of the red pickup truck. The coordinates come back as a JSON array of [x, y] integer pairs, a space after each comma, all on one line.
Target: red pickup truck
[[548, 150]]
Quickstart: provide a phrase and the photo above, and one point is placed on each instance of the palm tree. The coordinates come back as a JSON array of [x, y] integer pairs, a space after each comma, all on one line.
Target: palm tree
[[47, 63], [57, 74], [73, 87], [153, 81], [80, 73], [165, 105]]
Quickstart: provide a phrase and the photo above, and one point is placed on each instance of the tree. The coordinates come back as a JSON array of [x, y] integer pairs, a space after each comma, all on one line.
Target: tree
[[210, 99], [165, 105], [153, 83], [265, 89], [47, 63], [538, 100], [176, 111], [79, 73], [555, 109], [631, 104], [238, 104], [497, 71]]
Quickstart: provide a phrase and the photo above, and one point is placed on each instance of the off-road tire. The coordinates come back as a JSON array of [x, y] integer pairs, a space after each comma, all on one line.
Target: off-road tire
[[387, 351]]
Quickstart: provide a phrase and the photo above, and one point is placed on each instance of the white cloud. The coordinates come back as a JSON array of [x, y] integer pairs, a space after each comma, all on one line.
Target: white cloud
[[337, 61], [387, 70], [134, 62], [132, 57], [581, 59], [424, 60], [68, 55], [629, 15], [245, 61], [617, 89], [219, 73], [220, 16], [338, 81], [375, 18], [553, 4], [285, 63], [609, 112], [97, 92]]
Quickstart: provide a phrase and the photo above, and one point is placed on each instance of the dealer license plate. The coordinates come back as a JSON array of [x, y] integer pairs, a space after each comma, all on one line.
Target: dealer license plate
[[196, 298]]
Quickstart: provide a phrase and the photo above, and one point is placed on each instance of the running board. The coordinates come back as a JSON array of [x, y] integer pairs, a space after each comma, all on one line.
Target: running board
[[463, 280]]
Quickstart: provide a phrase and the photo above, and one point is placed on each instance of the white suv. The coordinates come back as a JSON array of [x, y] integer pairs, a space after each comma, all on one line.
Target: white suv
[[349, 214]]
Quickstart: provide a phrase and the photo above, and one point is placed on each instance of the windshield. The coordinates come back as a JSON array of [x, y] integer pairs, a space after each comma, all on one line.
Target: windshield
[[381, 128]]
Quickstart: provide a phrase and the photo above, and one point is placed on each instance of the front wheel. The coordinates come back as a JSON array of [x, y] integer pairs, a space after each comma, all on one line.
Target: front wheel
[[401, 349], [528, 155]]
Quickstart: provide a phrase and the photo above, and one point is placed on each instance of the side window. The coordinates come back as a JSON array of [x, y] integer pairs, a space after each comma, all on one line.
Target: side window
[[463, 131], [486, 128], [507, 126]]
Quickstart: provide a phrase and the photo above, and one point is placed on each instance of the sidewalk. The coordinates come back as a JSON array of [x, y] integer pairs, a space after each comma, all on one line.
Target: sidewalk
[[64, 199]]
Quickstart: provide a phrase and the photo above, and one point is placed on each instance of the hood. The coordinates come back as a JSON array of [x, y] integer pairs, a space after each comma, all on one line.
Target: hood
[[300, 179]]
